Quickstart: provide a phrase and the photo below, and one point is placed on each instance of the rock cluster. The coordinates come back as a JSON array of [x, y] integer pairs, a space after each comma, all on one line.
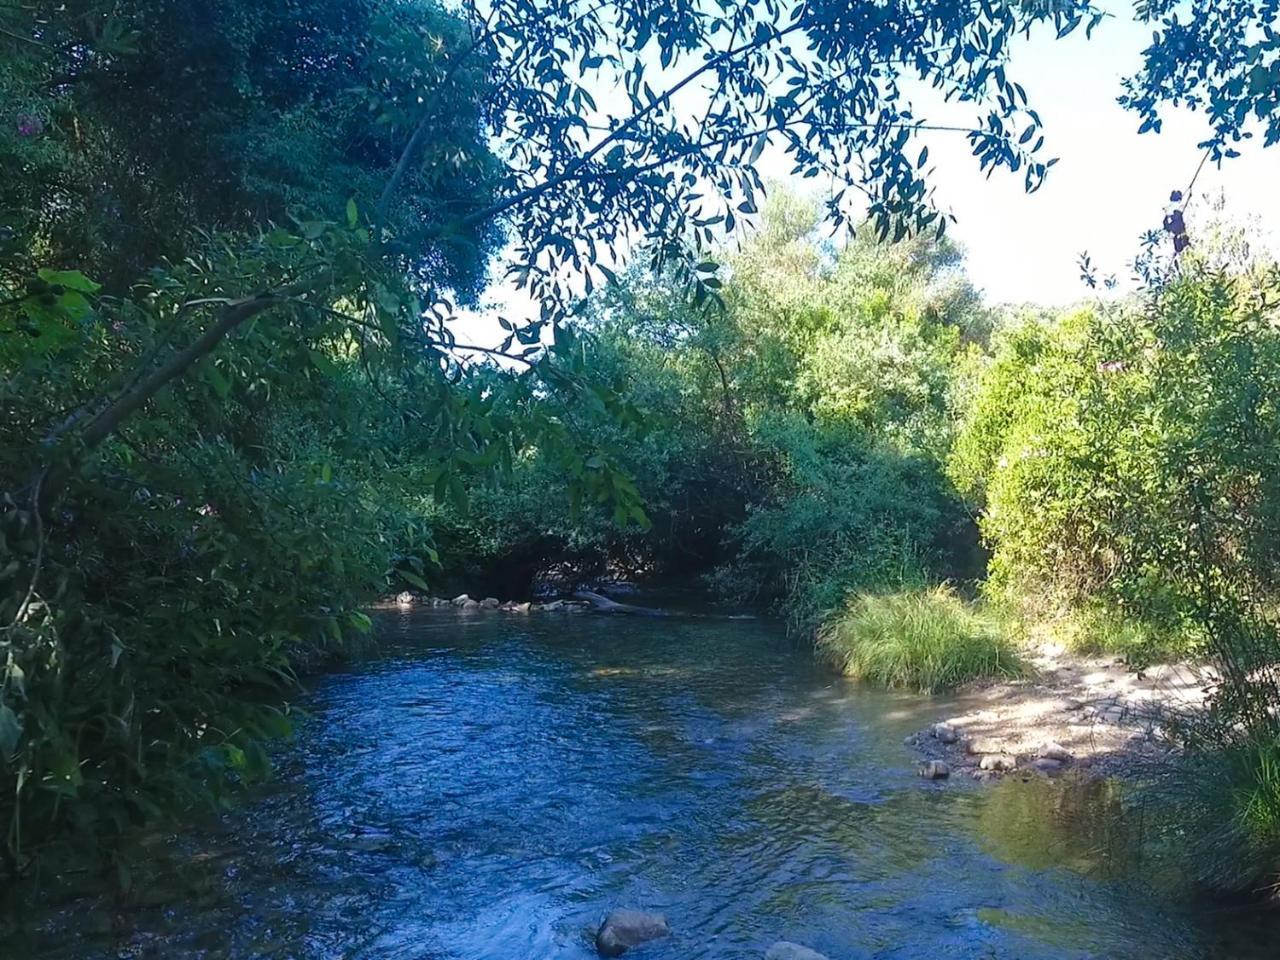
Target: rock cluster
[[466, 602], [981, 757]]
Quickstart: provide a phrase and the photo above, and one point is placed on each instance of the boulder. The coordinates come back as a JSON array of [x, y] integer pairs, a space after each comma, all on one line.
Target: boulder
[[1046, 765], [999, 762], [945, 733], [404, 598], [786, 950], [1054, 751], [461, 600], [624, 929], [553, 606], [491, 603], [980, 745], [470, 604], [933, 770]]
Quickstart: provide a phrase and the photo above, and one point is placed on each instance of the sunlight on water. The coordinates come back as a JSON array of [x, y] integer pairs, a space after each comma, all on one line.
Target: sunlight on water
[[489, 786]]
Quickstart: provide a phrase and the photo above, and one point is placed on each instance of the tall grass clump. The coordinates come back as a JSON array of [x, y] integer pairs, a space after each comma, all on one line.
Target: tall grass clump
[[928, 640]]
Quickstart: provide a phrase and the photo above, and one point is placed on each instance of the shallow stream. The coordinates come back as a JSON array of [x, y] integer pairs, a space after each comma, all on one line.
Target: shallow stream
[[488, 785]]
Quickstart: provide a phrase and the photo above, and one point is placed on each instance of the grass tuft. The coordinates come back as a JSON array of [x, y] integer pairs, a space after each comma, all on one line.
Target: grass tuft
[[927, 640]]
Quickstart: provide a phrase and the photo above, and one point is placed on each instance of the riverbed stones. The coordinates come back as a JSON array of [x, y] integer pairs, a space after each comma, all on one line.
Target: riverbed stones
[[1047, 765], [491, 603], [404, 599], [945, 733], [933, 770], [998, 762], [786, 950], [461, 600], [469, 604], [623, 929]]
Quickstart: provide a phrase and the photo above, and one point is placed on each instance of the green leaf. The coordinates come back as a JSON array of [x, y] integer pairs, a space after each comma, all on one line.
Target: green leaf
[[413, 579], [353, 213], [221, 385], [71, 279]]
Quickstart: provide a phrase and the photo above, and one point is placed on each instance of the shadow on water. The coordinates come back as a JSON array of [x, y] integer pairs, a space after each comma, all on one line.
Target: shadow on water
[[487, 786]]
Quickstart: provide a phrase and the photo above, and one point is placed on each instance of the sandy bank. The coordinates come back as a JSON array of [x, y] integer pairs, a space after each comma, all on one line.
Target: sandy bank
[[1071, 713]]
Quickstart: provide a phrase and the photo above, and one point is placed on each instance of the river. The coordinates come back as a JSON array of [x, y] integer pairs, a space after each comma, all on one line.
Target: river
[[486, 786]]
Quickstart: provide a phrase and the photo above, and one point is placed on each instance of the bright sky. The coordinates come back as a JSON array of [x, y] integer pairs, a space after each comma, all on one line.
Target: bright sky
[[1109, 186]]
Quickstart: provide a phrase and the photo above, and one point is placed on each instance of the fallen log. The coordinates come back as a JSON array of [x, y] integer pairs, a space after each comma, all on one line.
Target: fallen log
[[603, 604]]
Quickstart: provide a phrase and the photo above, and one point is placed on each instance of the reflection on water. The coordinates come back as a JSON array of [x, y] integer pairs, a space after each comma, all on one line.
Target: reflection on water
[[489, 786]]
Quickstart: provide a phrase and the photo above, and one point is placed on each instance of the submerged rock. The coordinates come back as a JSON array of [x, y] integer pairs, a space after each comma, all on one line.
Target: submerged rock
[[786, 950], [933, 770], [624, 929]]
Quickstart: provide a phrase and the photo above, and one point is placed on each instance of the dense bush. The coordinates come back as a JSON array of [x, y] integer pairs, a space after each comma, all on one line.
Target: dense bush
[[799, 429], [1113, 450]]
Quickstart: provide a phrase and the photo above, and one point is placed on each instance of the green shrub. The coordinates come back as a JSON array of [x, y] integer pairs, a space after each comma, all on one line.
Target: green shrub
[[1097, 628], [922, 640], [1118, 455]]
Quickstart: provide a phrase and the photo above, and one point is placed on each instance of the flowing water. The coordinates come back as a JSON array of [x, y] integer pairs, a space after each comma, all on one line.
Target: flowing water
[[487, 786]]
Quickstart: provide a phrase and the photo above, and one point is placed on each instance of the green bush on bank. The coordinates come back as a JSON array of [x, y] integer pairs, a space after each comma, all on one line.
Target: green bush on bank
[[928, 641]]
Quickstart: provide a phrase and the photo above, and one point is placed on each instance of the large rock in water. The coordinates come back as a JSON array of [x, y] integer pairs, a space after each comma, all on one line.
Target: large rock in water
[[624, 929], [786, 950]]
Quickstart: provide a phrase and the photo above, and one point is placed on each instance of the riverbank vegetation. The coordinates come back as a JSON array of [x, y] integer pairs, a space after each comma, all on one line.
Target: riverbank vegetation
[[926, 640], [233, 247]]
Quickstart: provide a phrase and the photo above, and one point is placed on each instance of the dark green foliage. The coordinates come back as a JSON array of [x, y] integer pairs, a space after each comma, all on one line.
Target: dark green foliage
[[1222, 58], [795, 435]]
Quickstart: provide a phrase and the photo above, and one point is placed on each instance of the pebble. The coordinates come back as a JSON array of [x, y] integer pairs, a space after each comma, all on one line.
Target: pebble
[[934, 770], [945, 733], [998, 762], [979, 745]]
